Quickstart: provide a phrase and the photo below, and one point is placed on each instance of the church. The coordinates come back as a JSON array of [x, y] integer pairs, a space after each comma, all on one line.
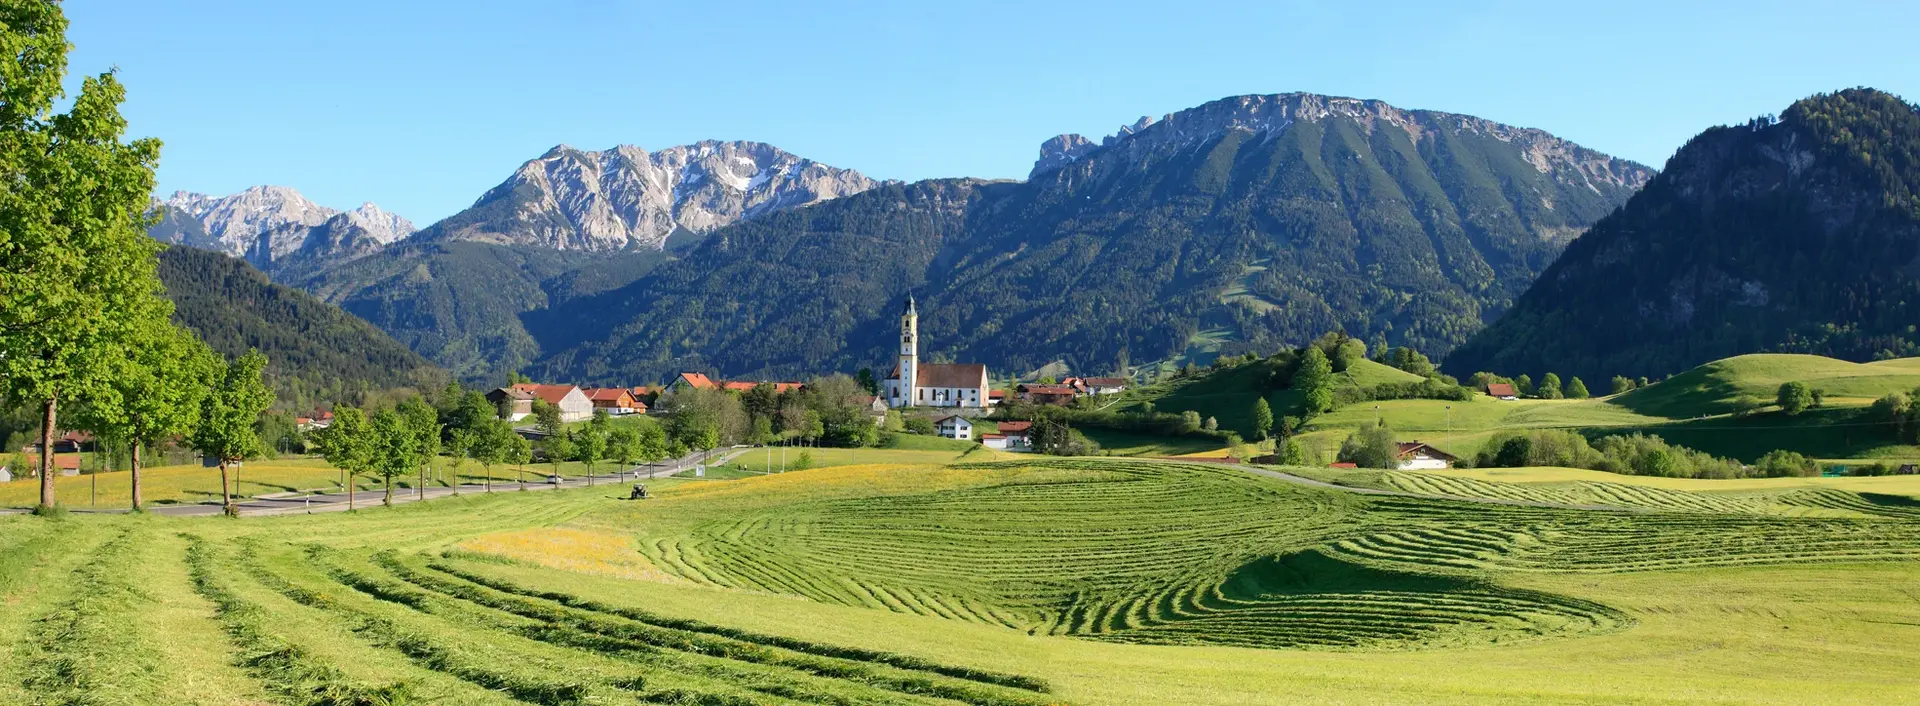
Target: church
[[914, 384]]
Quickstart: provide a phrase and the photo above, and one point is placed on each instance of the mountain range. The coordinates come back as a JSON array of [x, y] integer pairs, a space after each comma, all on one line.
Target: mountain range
[[1244, 224]]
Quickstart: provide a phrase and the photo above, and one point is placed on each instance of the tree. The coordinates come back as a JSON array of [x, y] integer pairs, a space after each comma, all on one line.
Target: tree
[[348, 445], [1189, 421], [546, 418], [623, 446], [1291, 453], [1314, 381], [76, 267], [1371, 446], [517, 451], [1262, 419], [422, 422], [156, 391], [652, 440], [1577, 390], [867, 382], [395, 448], [1549, 387], [590, 445], [1794, 397], [1891, 409], [1212, 424], [1523, 385], [492, 443], [462, 444], [1622, 385], [228, 415], [558, 448]]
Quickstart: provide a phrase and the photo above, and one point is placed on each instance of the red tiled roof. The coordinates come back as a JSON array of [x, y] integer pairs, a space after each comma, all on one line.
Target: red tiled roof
[[642, 391], [1107, 382], [697, 381], [1501, 389], [996, 394], [607, 394], [1048, 390], [960, 375], [1015, 427], [738, 386], [993, 436], [551, 394]]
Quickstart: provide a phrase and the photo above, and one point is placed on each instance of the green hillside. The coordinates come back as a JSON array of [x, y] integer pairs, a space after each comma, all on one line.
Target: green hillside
[[315, 351], [1794, 235], [1713, 388]]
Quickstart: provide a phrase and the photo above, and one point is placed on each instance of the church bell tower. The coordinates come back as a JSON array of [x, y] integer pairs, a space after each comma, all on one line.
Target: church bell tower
[[909, 353]]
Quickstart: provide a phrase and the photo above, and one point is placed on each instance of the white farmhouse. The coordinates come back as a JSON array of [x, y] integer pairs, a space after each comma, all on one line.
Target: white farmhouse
[[955, 427]]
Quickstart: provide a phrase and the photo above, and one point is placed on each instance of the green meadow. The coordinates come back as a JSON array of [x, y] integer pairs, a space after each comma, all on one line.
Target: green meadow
[[1032, 581]]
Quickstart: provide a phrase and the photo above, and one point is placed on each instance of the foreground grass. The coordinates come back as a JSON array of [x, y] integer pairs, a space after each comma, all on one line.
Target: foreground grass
[[1038, 581]]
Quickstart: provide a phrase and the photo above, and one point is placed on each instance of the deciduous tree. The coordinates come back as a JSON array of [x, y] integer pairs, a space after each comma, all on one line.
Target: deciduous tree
[[1794, 397], [228, 415], [156, 391], [1314, 381], [76, 267]]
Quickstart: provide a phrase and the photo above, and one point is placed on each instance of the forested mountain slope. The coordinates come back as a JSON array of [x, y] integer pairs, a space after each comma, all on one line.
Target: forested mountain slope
[[1258, 220], [315, 351], [1797, 235]]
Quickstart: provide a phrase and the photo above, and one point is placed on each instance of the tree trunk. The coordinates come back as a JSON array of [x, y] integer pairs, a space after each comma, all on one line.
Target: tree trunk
[[134, 467], [388, 500], [226, 498], [422, 493], [343, 475], [46, 452], [489, 467]]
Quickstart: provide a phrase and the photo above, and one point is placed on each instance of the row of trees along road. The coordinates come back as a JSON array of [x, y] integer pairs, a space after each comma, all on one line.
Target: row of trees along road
[[83, 323]]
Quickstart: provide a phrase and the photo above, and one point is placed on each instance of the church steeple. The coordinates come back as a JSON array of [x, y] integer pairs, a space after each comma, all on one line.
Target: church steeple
[[909, 351]]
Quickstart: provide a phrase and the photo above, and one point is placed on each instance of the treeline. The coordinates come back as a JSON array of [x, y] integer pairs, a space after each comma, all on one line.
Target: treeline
[[1632, 454]]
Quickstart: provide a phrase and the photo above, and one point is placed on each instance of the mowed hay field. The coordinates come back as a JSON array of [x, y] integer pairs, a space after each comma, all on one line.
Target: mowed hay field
[[1032, 581], [178, 484]]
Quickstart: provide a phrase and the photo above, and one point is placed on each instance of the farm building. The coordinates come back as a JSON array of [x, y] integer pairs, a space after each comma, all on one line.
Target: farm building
[[1416, 456], [697, 381], [1011, 436], [1104, 386], [572, 402], [1047, 394], [616, 400], [954, 427], [1502, 390], [517, 402]]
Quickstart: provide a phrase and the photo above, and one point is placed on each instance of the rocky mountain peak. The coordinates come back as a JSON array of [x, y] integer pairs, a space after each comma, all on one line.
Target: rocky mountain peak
[[267, 224], [1269, 115], [627, 197]]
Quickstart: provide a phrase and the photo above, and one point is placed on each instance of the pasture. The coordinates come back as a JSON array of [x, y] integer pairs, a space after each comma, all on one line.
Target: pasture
[[1034, 581]]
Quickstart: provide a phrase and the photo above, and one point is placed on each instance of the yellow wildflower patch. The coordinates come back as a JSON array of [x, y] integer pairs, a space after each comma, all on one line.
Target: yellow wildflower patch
[[579, 550]]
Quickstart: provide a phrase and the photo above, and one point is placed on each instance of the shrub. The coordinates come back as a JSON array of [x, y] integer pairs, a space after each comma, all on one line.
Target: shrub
[[918, 425], [1781, 463], [1794, 397], [1371, 447]]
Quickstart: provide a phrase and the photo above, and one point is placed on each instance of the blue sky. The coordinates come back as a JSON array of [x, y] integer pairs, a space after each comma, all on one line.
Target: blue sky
[[422, 106]]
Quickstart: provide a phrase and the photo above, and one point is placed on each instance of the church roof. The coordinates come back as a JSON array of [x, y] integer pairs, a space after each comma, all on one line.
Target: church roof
[[951, 375]]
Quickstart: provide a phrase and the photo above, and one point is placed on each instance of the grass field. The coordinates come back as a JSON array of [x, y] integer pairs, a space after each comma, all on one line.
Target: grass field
[[1712, 388], [1034, 581]]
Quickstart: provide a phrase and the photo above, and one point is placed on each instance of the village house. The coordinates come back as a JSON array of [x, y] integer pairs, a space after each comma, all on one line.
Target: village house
[[1010, 436], [954, 427], [996, 397], [1104, 386], [693, 381], [1416, 456], [876, 408], [916, 384], [616, 400], [570, 400], [517, 403], [1047, 394], [313, 422], [1502, 390]]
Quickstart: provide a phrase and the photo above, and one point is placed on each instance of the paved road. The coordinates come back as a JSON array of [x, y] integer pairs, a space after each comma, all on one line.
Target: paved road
[[295, 503]]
